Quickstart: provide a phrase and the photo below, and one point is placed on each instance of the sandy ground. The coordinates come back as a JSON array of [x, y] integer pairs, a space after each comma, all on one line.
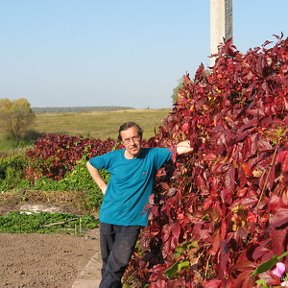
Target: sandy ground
[[43, 260]]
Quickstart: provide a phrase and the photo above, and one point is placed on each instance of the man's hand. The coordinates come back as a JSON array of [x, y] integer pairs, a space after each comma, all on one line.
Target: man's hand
[[183, 147], [97, 177]]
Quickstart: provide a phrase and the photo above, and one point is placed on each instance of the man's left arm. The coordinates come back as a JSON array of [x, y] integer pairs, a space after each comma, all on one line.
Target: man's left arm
[[183, 147]]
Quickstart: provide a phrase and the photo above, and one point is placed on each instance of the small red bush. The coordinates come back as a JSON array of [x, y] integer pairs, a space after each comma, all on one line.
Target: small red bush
[[53, 155]]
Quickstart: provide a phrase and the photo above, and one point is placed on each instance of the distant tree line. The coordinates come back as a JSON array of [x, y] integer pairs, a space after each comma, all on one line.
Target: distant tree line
[[79, 109]]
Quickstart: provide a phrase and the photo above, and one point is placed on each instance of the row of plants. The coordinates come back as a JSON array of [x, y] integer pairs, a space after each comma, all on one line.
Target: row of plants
[[44, 222], [53, 155], [55, 161]]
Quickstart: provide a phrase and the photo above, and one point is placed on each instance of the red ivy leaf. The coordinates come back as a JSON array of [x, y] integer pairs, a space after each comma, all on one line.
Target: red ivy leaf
[[280, 218], [224, 256], [282, 157], [170, 237], [215, 283]]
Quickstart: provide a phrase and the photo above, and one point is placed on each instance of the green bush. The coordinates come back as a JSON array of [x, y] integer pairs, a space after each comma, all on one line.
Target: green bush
[[12, 170], [78, 179]]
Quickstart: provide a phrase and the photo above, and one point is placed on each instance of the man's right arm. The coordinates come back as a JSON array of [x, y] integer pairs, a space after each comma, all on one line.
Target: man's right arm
[[94, 172]]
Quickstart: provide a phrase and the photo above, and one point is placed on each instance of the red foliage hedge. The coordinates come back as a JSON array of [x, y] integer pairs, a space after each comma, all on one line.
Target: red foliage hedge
[[53, 155], [219, 213]]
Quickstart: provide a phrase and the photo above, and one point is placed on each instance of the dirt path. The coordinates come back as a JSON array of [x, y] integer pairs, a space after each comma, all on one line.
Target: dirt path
[[44, 260]]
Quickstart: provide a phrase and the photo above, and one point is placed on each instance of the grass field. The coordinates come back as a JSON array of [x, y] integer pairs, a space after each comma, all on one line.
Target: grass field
[[97, 124], [102, 124]]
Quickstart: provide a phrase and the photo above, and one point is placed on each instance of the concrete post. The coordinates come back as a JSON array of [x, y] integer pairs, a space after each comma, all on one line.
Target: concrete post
[[220, 24]]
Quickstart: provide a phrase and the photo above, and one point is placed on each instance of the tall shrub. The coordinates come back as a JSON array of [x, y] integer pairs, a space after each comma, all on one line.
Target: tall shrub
[[16, 117], [219, 213]]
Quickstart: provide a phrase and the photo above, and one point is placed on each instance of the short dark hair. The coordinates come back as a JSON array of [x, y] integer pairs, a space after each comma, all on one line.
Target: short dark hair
[[128, 125]]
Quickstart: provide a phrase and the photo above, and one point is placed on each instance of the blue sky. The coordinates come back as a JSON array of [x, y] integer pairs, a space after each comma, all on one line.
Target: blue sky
[[63, 53]]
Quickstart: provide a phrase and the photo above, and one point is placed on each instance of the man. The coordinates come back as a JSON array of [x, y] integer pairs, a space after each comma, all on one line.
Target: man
[[122, 213]]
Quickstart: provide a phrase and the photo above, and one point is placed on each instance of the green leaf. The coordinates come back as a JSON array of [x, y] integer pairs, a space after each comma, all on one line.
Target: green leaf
[[268, 265], [174, 269], [261, 283]]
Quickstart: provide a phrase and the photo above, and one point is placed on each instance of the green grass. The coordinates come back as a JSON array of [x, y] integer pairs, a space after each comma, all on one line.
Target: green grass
[[44, 222], [100, 125], [7, 144]]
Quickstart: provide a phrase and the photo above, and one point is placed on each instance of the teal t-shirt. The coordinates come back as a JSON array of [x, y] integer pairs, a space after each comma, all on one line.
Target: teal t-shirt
[[130, 185]]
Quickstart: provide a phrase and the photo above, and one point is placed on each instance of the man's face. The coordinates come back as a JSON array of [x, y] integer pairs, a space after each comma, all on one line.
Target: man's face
[[132, 142]]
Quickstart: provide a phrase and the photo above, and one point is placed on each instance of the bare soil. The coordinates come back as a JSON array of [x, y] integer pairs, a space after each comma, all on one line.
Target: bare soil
[[34, 260], [44, 260]]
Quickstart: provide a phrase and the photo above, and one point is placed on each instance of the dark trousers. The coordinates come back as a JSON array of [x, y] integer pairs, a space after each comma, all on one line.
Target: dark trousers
[[117, 244]]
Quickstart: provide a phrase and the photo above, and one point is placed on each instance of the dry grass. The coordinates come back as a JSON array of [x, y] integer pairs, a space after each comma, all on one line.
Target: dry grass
[[69, 201], [100, 125]]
